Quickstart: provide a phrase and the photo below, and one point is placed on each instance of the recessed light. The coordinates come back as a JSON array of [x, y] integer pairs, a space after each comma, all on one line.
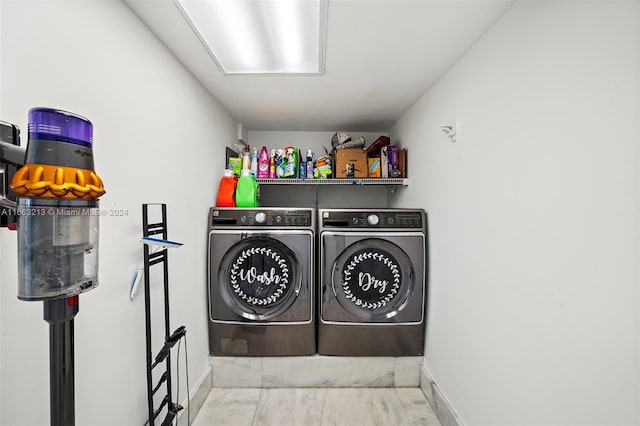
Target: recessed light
[[261, 36]]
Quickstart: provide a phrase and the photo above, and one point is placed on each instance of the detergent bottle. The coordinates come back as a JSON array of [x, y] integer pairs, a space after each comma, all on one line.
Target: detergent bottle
[[263, 163], [247, 191], [227, 190]]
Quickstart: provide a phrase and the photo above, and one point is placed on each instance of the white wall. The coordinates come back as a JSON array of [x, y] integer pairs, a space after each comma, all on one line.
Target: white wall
[[533, 215], [158, 137]]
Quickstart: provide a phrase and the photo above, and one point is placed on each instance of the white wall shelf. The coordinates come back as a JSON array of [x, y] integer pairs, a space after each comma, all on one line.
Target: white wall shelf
[[350, 181]]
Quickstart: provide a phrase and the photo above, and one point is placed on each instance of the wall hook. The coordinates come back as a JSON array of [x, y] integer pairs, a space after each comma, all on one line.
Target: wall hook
[[451, 130]]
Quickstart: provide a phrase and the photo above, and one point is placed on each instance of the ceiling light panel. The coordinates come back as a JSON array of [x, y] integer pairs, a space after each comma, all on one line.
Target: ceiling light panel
[[261, 36]]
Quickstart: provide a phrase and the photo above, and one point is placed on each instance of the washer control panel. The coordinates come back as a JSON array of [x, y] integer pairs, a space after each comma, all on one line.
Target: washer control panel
[[261, 217], [372, 219]]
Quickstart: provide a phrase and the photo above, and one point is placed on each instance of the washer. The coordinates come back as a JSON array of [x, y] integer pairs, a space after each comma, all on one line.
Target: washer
[[372, 282], [261, 281]]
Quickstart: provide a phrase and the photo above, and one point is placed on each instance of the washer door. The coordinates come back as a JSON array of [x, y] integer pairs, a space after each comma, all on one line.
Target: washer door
[[259, 278], [372, 279]]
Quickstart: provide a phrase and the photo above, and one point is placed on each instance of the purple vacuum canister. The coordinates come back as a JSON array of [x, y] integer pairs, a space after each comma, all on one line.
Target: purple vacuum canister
[[58, 220], [63, 126]]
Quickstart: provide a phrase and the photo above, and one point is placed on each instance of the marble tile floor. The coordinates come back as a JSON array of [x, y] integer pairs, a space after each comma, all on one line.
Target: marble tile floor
[[316, 407]]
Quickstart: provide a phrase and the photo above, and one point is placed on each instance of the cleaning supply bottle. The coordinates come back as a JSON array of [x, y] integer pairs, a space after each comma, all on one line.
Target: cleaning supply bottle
[[227, 190], [246, 159], [254, 163], [272, 164], [247, 191], [302, 173], [309, 164], [291, 162], [263, 163]]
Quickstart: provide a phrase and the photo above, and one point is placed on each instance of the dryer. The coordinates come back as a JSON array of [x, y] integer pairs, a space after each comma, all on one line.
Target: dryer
[[372, 282], [261, 281]]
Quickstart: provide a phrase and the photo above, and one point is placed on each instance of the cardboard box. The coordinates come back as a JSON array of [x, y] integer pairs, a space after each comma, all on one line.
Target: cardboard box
[[350, 163], [403, 162], [394, 161], [235, 164], [374, 167], [384, 163]]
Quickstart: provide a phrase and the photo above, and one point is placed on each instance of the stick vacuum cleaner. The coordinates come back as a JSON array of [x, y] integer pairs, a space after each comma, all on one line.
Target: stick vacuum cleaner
[[58, 224]]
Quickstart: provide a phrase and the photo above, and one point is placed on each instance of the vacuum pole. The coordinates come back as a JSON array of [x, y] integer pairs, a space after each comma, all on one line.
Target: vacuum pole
[[59, 313], [57, 192]]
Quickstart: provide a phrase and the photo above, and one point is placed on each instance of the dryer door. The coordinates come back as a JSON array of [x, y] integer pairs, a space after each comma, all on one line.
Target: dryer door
[[372, 278], [259, 277]]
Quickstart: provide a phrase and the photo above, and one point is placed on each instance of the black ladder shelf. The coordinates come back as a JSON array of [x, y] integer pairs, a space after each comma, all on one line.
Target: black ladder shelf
[[163, 357]]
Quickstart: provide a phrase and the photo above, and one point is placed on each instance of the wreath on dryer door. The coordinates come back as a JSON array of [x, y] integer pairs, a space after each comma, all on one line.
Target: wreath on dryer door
[[371, 287]]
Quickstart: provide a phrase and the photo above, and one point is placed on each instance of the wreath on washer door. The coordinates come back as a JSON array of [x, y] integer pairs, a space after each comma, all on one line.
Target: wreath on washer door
[[260, 276]]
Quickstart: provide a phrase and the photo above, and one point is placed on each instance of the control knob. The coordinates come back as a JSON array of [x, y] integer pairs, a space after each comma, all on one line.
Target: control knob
[[373, 219], [261, 217]]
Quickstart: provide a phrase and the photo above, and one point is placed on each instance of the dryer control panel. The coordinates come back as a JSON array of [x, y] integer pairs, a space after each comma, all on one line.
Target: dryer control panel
[[411, 219], [276, 218]]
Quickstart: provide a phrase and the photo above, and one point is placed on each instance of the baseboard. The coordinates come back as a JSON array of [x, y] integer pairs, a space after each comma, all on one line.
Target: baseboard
[[445, 412], [314, 371], [196, 399]]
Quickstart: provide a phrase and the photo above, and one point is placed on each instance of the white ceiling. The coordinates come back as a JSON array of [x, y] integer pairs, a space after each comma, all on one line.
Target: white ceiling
[[381, 56]]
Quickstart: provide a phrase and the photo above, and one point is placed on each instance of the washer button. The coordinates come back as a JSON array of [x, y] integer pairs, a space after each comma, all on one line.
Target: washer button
[[373, 219]]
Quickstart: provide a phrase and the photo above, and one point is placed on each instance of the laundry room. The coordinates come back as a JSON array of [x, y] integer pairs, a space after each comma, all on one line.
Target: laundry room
[[515, 223]]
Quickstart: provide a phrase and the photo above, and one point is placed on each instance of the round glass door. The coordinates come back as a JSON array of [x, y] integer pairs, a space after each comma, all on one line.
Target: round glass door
[[259, 278], [372, 279]]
